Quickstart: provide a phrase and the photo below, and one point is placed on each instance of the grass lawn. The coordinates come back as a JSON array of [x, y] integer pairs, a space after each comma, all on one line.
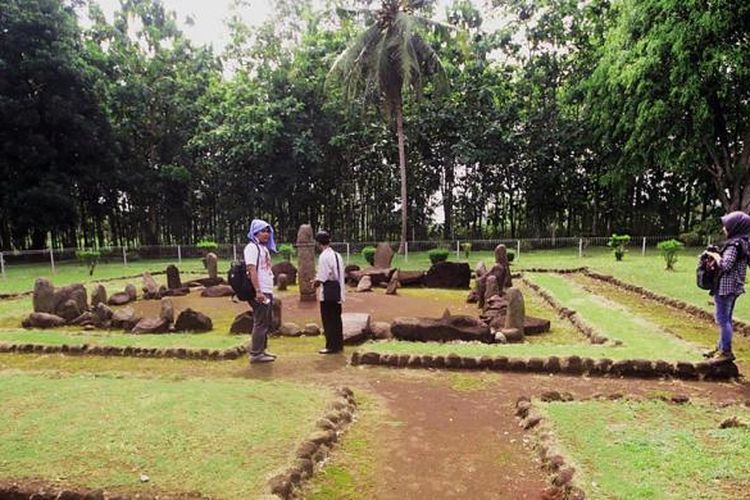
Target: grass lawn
[[222, 438], [652, 449], [641, 337]]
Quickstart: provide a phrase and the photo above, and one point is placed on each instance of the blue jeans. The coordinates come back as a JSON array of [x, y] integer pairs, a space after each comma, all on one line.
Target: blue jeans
[[724, 309]]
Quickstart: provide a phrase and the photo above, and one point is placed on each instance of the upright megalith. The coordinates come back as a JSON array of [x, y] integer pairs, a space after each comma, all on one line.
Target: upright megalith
[[212, 265], [383, 256], [173, 277], [44, 293], [306, 256]]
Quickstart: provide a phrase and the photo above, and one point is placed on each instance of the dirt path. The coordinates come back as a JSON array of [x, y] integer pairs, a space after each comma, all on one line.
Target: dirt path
[[444, 441]]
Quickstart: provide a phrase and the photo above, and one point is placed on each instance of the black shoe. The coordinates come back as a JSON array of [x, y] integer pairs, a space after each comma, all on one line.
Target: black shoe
[[710, 354], [724, 356]]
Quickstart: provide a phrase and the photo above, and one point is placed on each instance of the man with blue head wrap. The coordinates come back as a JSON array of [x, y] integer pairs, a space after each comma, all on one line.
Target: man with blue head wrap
[[258, 262]]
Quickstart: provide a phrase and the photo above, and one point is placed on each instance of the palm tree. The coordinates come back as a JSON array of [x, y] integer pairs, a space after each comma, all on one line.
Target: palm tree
[[386, 60]]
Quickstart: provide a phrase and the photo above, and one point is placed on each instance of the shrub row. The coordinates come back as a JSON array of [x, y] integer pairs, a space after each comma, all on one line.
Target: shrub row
[[571, 365], [739, 326], [315, 449], [579, 324], [129, 351]]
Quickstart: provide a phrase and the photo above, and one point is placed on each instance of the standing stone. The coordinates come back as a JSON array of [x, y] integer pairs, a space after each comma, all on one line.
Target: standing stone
[[393, 284], [383, 256], [480, 270], [365, 284], [212, 264], [173, 277], [103, 314], [501, 269], [491, 288], [284, 267], [514, 317], [167, 310], [99, 296], [306, 256], [282, 281], [150, 288], [44, 294], [131, 291], [75, 292], [69, 310]]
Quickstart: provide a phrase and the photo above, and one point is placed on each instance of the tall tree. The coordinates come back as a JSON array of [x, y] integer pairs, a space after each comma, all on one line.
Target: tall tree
[[673, 86], [386, 60]]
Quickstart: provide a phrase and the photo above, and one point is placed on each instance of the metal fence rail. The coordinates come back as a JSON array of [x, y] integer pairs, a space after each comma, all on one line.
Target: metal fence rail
[[228, 251]]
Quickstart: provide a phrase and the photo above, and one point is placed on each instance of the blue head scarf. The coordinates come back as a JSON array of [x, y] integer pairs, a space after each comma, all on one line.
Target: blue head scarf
[[256, 226]]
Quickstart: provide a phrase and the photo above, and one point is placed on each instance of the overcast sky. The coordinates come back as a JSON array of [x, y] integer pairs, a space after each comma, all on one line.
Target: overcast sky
[[209, 16]]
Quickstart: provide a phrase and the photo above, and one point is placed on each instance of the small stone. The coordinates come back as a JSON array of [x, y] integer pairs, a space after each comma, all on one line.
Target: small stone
[[732, 422], [144, 478]]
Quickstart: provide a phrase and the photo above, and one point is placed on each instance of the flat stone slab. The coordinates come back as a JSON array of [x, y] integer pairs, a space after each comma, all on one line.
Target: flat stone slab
[[444, 329], [356, 327]]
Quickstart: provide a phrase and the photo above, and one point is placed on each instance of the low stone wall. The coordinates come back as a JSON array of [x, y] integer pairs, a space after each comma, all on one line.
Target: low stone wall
[[593, 335], [128, 351], [570, 365], [316, 447], [739, 326]]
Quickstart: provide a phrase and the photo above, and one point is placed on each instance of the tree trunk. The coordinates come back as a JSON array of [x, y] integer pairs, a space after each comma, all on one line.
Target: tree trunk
[[402, 171], [448, 197]]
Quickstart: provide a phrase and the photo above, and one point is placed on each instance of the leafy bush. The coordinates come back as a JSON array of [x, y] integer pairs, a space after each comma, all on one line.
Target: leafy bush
[[438, 255], [466, 248], [286, 250], [669, 250], [207, 245], [691, 239], [369, 255], [90, 257], [511, 255], [618, 242]]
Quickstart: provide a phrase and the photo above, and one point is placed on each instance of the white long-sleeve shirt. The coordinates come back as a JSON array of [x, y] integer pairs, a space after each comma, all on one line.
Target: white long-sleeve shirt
[[330, 268]]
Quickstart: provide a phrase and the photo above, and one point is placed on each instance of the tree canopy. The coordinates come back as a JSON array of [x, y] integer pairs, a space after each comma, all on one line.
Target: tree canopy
[[557, 117]]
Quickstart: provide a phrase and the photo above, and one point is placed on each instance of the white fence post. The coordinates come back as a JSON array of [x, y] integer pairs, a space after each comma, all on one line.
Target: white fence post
[[406, 251], [179, 254], [234, 252], [643, 249], [458, 249], [2, 264], [52, 259], [580, 247], [125, 256], [347, 253], [518, 249]]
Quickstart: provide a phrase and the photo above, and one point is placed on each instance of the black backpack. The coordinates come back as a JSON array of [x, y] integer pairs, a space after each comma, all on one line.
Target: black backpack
[[707, 274], [241, 285]]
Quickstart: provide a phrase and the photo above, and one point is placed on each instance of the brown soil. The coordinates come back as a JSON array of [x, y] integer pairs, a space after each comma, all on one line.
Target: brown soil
[[380, 306], [442, 442]]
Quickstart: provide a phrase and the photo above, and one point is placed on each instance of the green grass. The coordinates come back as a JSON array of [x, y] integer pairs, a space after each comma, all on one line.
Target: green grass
[[652, 449], [351, 472], [697, 331], [186, 340], [223, 438], [641, 338]]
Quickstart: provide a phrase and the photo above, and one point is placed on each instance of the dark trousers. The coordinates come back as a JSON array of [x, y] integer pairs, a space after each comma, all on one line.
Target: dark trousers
[[261, 324], [330, 314]]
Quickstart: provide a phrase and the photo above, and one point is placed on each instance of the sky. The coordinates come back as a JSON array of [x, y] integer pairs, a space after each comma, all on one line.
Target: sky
[[209, 16]]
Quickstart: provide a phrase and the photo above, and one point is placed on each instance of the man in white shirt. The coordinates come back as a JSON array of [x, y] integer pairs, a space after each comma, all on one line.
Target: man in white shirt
[[332, 293], [258, 262]]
